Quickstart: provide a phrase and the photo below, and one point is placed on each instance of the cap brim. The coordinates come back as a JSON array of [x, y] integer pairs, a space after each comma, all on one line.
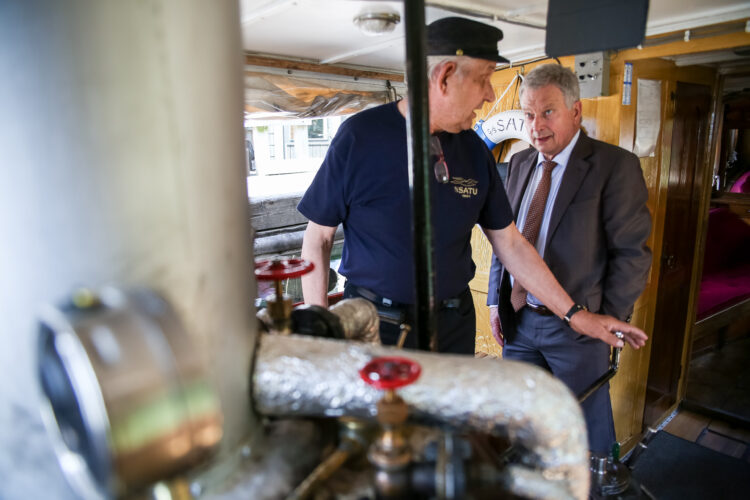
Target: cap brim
[[450, 50], [497, 58]]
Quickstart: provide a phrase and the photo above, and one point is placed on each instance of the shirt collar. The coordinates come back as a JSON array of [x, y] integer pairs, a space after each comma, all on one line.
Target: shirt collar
[[563, 156]]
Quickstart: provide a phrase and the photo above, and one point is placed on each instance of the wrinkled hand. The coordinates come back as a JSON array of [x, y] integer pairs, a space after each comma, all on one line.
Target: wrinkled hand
[[603, 327], [497, 332]]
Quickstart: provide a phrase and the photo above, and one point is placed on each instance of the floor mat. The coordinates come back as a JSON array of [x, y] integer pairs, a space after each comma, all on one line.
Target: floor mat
[[672, 468]]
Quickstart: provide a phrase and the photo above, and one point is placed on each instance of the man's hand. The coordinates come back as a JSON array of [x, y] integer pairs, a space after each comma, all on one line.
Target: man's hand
[[497, 332], [603, 327]]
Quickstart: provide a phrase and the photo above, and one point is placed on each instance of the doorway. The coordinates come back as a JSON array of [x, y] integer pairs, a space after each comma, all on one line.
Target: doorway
[[718, 381], [692, 104]]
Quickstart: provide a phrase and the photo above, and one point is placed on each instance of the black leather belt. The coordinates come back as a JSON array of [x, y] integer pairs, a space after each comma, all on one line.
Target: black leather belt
[[452, 303], [539, 309], [375, 298]]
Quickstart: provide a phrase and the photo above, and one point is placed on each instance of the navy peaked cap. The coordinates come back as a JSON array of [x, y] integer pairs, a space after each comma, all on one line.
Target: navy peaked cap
[[458, 36]]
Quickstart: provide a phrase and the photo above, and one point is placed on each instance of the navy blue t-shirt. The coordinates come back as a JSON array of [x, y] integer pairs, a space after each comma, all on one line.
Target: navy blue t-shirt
[[364, 184]]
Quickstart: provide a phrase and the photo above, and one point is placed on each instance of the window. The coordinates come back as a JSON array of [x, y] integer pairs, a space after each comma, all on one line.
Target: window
[[290, 121], [277, 147]]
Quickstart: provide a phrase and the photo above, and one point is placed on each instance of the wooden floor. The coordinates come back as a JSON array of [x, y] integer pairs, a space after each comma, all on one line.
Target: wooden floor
[[718, 381], [714, 434]]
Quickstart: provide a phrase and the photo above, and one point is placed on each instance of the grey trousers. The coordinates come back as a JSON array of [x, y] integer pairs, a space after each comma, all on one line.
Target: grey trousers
[[577, 360]]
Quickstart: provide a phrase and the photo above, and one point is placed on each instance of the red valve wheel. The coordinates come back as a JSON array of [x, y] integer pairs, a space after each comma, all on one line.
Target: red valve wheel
[[281, 269], [390, 372]]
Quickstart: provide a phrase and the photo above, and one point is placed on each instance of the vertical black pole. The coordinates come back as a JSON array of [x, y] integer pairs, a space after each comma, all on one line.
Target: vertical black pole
[[418, 140]]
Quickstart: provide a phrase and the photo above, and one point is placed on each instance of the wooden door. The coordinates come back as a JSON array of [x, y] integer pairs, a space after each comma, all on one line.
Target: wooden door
[[691, 119]]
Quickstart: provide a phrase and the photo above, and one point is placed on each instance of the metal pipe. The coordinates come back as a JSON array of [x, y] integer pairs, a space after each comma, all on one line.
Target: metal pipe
[[353, 438], [109, 361], [613, 367], [642, 445], [296, 375], [418, 131], [533, 484], [359, 319], [323, 471]]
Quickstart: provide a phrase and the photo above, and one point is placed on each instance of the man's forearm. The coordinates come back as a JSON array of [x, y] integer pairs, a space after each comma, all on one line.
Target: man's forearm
[[523, 262], [317, 250]]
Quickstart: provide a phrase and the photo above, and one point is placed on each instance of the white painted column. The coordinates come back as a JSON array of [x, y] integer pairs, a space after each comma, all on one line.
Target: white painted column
[[121, 161]]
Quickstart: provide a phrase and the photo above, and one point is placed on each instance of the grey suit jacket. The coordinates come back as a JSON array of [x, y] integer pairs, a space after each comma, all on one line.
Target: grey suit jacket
[[596, 242]]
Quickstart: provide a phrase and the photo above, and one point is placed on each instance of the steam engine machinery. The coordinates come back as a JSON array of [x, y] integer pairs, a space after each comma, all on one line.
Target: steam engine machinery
[[132, 411]]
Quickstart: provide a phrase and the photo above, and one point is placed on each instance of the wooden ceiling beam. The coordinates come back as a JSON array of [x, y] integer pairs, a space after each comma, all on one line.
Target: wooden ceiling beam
[[695, 45], [255, 60]]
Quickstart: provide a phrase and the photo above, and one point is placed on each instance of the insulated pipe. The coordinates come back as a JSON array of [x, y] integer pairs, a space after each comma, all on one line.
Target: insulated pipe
[[418, 131], [121, 162], [296, 375]]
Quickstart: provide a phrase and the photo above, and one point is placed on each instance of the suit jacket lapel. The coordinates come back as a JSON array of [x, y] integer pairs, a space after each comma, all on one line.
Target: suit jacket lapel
[[571, 182]]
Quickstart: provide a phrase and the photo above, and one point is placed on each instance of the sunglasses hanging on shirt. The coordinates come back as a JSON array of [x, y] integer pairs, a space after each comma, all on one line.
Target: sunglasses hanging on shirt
[[440, 166]]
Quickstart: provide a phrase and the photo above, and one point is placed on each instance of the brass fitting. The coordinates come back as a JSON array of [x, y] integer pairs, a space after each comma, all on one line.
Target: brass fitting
[[280, 310], [390, 453]]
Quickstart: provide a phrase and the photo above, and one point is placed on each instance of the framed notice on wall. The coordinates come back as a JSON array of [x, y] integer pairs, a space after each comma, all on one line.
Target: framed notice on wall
[[647, 117]]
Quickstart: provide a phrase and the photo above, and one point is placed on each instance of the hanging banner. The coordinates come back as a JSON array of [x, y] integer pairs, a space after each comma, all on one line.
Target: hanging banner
[[501, 127]]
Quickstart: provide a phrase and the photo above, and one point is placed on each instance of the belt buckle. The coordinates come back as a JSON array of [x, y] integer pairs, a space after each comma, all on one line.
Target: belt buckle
[[387, 302], [539, 309]]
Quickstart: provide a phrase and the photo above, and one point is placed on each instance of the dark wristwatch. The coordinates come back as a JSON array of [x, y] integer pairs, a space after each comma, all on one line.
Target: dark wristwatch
[[572, 311]]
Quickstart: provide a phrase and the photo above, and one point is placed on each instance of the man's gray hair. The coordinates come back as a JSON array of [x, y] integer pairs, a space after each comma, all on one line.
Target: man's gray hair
[[433, 62], [557, 75]]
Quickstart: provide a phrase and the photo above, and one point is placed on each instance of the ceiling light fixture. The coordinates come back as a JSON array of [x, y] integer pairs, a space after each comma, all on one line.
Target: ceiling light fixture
[[377, 23]]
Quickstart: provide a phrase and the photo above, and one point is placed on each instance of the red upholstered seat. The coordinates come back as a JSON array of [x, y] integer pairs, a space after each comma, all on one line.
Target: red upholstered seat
[[726, 266], [741, 185], [721, 290]]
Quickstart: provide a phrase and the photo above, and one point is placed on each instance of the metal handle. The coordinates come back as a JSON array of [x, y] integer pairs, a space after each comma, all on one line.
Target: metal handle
[[390, 372], [614, 365], [281, 269], [669, 261]]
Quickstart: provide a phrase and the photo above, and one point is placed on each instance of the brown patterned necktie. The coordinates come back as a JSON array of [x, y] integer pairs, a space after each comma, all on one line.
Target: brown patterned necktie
[[531, 227]]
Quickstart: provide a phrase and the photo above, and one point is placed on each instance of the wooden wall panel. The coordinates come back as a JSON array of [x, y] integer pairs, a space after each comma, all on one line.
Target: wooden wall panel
[[482, 255]]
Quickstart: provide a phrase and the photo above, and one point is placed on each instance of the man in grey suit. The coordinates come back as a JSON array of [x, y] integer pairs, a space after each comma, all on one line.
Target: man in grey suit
[[582, 204]]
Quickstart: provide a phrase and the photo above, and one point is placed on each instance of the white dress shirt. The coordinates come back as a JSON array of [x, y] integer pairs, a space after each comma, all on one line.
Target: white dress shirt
[[561, 159]]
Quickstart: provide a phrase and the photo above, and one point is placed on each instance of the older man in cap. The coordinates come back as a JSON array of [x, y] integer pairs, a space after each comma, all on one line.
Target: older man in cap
[[364, 184]]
